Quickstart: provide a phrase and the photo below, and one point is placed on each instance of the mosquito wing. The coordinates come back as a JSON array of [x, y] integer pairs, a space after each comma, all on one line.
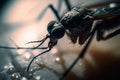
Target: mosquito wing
[[108, 12]]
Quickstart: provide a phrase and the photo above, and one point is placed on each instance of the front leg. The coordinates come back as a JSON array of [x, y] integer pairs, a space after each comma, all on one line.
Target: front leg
[[56, 11]]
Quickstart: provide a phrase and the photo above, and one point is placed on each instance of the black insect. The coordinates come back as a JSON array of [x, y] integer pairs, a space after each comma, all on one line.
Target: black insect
[[81, 23]]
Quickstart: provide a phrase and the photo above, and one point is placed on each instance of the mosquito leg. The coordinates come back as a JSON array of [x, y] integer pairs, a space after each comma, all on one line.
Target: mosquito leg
[[110, 35], [74, 38], [99, 29], [84, 37], [81, 54], [55, 11], [35, 58], [59, 5], [68, 5], [99, 35], [101, 32], [51, 7]]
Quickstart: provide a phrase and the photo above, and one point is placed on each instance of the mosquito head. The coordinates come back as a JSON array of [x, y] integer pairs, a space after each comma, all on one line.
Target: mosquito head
[[56, 30]]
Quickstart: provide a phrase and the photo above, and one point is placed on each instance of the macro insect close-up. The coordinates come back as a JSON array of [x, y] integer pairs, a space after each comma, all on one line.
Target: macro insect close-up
[[54, 40]]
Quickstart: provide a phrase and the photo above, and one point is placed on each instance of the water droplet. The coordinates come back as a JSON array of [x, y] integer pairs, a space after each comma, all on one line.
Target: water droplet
[[80, 64], [23, 78], [112, 5], [57, 59], [17, 76], [31, 70], [6, 67], [37, 77], [27, 55], [13, 75], [30, 74]]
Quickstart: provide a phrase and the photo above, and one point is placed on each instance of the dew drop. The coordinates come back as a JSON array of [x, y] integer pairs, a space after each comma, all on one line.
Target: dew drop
[[37, 77], [13, 75], [57, 59], [6, 67], [23, 78], [112, 5]]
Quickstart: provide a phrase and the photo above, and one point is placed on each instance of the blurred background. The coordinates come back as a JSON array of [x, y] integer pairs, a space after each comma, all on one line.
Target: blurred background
[[20, 22]]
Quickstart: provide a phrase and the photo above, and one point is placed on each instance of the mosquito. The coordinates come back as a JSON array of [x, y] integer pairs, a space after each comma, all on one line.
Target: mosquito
[[81, 23]]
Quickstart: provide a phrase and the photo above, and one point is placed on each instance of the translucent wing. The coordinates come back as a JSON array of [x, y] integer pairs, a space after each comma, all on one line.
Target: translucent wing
[[110, 11], [99, 3]]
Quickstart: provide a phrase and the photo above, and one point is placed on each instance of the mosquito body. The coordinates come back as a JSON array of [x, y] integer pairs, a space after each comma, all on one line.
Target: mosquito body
[[80, 24]]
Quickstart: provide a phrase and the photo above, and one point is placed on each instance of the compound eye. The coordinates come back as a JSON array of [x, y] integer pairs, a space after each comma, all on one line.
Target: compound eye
[[57, 32], [50, 26]]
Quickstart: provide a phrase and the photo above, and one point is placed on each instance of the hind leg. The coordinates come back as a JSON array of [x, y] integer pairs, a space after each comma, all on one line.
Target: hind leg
[[100, 35], [106, 33]]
